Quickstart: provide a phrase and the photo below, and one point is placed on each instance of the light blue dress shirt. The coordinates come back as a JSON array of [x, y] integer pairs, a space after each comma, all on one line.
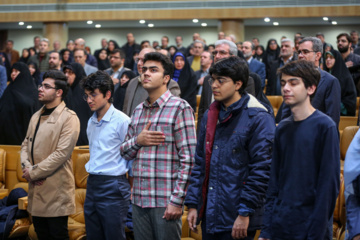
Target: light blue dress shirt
[[105, 138]]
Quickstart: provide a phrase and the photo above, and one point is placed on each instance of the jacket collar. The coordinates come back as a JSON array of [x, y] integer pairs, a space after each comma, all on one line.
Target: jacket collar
[[55, 114]]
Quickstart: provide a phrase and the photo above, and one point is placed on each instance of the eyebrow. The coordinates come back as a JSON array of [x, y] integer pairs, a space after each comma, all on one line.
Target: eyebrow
[[150, 67], [291, 80]]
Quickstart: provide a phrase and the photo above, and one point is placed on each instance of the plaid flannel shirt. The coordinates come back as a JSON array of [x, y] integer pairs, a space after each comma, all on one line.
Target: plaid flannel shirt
[[161, 173]]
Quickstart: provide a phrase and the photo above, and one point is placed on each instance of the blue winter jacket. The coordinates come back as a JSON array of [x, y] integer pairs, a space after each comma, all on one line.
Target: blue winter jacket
[[239, 167]]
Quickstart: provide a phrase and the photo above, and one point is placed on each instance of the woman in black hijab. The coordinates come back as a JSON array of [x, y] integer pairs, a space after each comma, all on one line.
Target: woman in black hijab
[[18, 103], [112, 45], [119, 94], [65, 57], [186, 79], [335, 65], [259, 53], [103, 60], [75, 73], [35, 72], [25, 55], [272, 53]]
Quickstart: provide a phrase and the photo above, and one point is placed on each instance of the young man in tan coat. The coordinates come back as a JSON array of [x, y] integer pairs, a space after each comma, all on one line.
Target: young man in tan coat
[[46, 159]]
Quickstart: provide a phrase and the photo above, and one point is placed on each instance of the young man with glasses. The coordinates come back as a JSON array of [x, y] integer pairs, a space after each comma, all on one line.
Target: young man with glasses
[[223, 49], [117, 59], [108, 190], [232, 160], [305, 169], [46, 159], [161, 139]]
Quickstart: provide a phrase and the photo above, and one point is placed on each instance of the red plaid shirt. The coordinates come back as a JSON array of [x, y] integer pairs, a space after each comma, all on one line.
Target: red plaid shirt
[[161, 173]]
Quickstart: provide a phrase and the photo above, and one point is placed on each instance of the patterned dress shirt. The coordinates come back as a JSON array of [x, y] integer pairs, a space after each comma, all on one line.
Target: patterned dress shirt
[[161, 173]]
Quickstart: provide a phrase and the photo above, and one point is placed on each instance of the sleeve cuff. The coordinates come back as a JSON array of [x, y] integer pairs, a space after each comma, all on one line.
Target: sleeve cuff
[[177, 202], [244, 210]]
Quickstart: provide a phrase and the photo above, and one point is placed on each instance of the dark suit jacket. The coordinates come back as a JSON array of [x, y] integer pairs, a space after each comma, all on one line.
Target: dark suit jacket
[[206, 95], [259, 68], [110, 72], [135, 84], [273, 77]]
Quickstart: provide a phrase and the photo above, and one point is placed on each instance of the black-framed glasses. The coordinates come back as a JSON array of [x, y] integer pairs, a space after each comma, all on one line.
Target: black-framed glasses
[[92, 96], [46, 86], [304, 52]]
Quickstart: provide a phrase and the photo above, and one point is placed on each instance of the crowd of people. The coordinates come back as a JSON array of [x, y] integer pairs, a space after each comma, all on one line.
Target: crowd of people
[[134, 106]]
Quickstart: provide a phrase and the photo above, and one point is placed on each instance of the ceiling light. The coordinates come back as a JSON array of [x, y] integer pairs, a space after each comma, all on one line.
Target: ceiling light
[[28, 26], [325, 18], [142, 21], [334, 22], [276, 23], [195, 20], [98, 25], [204, 24], [21, 23], [150, 25], [89, 22], [267, 19]]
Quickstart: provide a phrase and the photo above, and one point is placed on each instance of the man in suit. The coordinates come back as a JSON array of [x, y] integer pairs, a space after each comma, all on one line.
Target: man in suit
[[80, 57], [286, 55], [117, 59], [248, 50], [12, 54], [194, 61], [223, 49], [90, 59], [205, 62], [135, 93]]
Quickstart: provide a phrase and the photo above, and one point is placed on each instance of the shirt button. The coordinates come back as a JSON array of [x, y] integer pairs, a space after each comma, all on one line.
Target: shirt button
[[216, 147], [211, 188], [207, 142]]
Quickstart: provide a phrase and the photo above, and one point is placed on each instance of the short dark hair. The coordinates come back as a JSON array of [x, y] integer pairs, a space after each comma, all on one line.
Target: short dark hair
[[165, 61], [167, 38], [303, 69], [233, 67], [99, 80], [120, 51], [60, 56], [60, 81], [145, 41], [81, 50], [344, 35], [10, 41]]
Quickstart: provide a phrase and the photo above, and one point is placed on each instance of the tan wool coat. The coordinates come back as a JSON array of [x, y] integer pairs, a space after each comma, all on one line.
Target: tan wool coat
[[54, 143]]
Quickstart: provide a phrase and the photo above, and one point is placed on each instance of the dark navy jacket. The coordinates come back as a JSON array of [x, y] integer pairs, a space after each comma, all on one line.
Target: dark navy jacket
[[239, 168], [258, 68]]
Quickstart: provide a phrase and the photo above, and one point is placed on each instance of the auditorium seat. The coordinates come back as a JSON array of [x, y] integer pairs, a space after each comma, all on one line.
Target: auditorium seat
[[275, 102], [339, 222], [345, 122]]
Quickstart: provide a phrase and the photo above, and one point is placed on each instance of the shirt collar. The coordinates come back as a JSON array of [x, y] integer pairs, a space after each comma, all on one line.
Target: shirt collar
[[160, 102], [249, 61], [106, 117]]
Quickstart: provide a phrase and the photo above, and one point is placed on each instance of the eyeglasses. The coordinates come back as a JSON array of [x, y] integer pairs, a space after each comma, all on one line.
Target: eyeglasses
[[221, 52], [46, 87], [92, 96], [304, 52], [138, 59], [220, 81]]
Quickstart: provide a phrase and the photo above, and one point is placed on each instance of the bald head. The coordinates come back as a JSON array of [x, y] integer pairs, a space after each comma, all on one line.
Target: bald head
[[80, 43]]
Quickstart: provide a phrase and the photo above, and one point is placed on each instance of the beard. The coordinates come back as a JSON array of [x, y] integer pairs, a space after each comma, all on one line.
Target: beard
[[343, 49]]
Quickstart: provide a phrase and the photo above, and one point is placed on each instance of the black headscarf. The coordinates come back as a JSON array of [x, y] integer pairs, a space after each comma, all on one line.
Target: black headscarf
[[260, 57], [75, 101], [348, 90], [25, 59], [18, 103], [119, 94], [271, 55], [115, 44], [102, 64], [69, 61], [36, 76], [259, 94], [187, 81]]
